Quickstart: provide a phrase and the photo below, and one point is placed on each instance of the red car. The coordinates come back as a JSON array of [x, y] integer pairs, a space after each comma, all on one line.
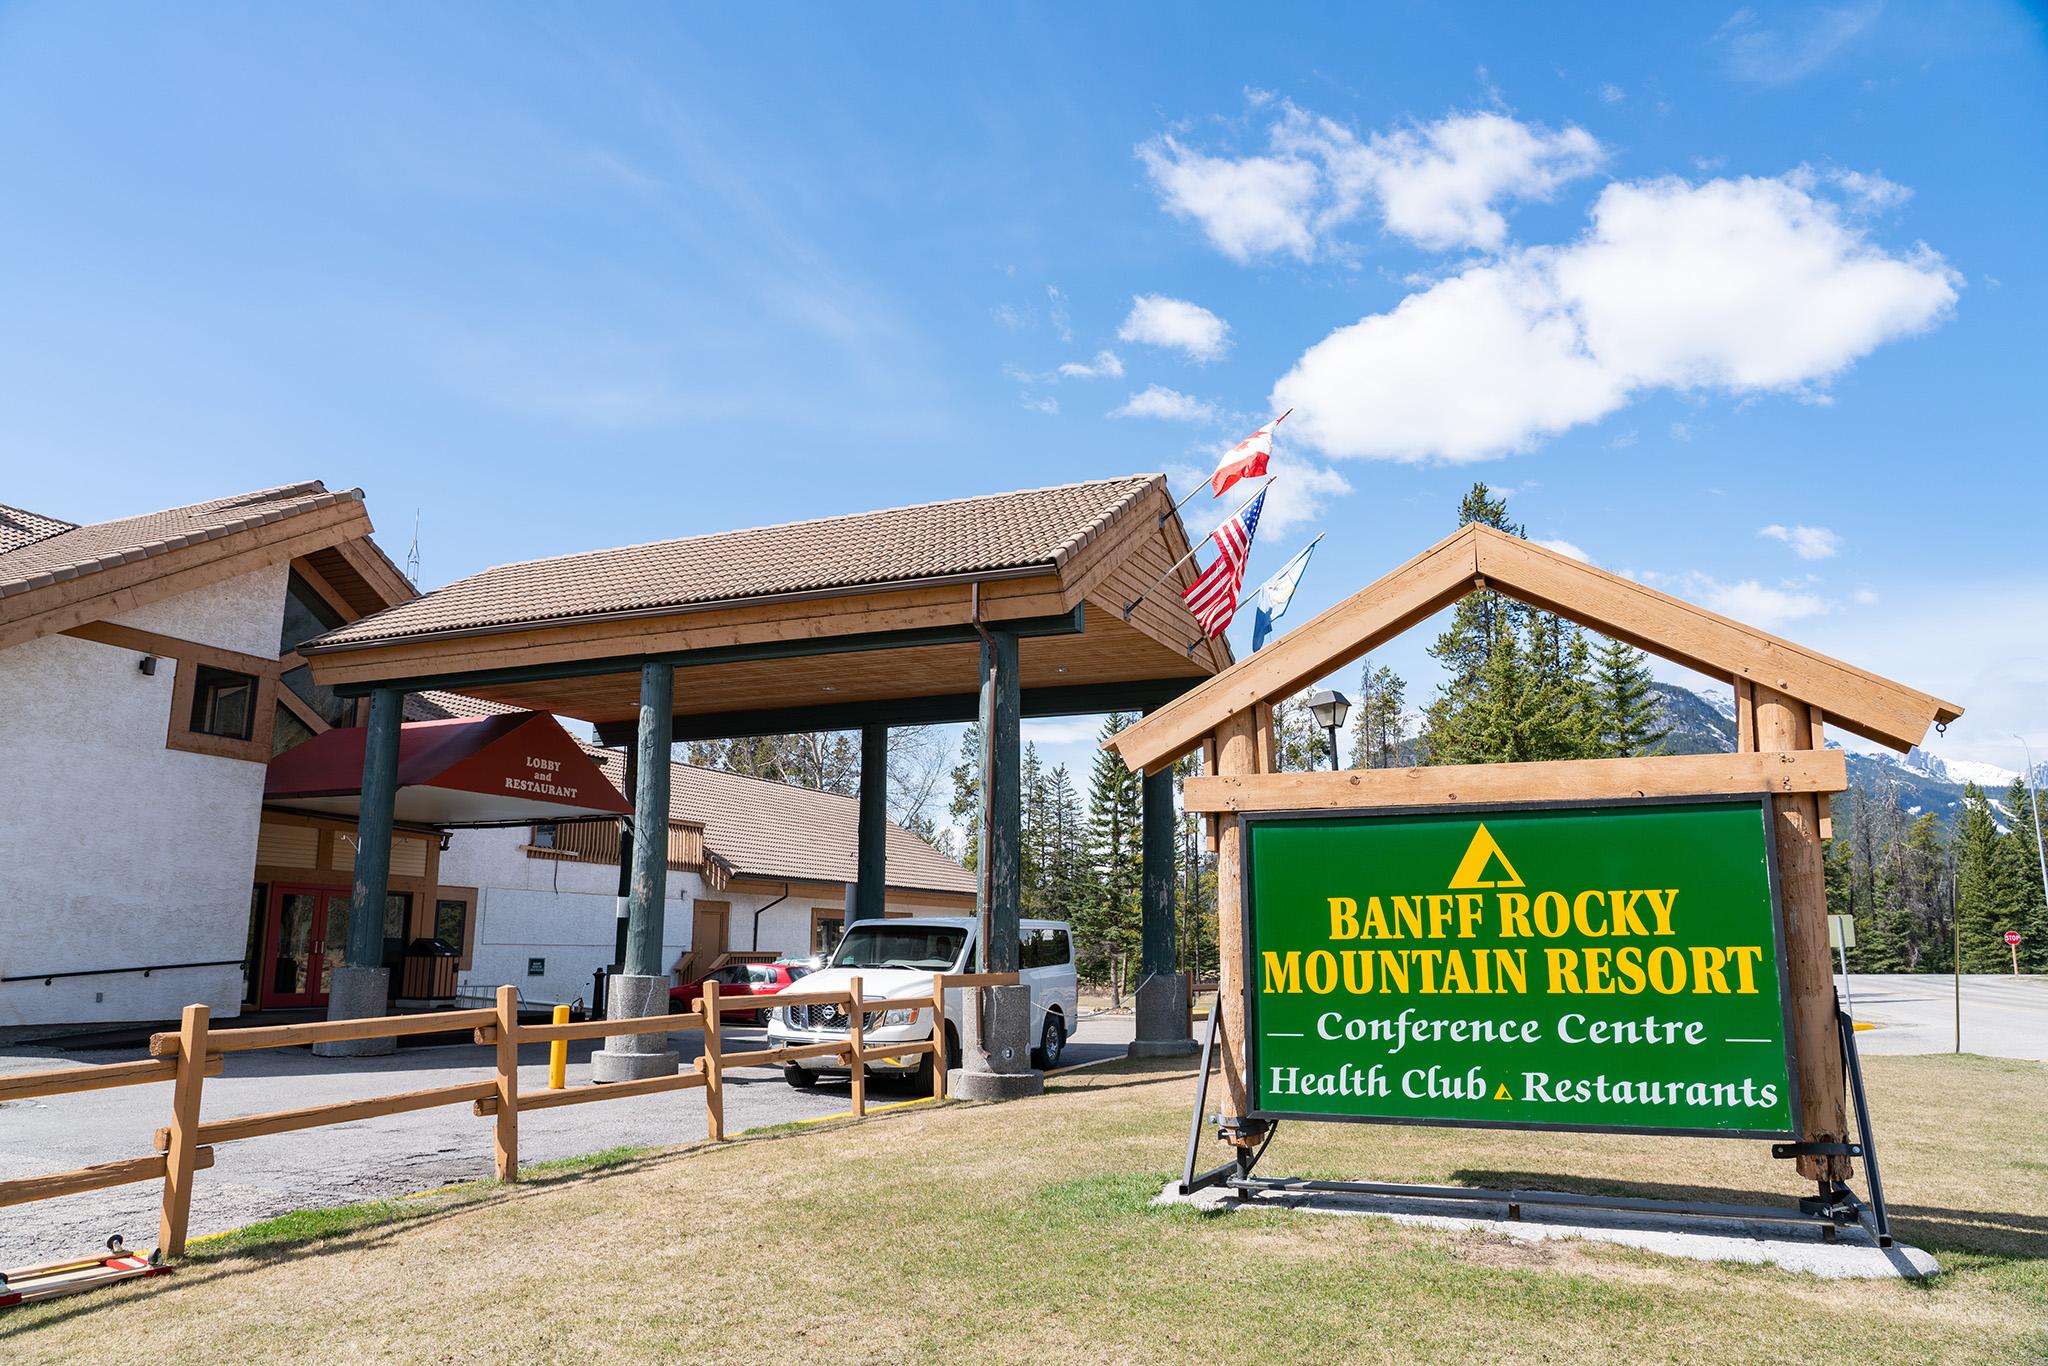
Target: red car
[[738, 979]]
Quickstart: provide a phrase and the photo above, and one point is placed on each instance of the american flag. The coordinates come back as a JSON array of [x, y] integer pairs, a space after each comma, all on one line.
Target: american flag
[[1212, 597]]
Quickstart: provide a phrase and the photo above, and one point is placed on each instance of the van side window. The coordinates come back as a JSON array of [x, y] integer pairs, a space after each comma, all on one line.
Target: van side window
[[1042, 949]]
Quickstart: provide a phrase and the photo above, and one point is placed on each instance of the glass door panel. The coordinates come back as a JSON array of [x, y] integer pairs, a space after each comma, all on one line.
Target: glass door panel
[[294, 931]]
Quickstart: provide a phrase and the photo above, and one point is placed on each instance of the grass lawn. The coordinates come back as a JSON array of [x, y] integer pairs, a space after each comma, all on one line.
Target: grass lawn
[[1023, 1233]]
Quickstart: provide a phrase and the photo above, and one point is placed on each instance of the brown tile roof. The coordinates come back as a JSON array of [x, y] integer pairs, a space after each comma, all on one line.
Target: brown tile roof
[[776, 832], [20, 527], [81, 550], [445, 706], [966, 536]]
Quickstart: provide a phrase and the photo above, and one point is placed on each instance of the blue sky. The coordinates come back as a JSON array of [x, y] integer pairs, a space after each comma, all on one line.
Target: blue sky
[[553, 280]]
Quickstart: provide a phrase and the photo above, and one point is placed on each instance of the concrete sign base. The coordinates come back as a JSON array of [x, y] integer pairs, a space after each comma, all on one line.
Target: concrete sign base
[[1852, 1256]]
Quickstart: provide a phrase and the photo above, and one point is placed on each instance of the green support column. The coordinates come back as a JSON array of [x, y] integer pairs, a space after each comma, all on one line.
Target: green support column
[[631, 792], [871, 891], [1162, 1023], [644, 908], [999, 1030], [360, 985], [371, 881], [641, 991], [1002, 845]]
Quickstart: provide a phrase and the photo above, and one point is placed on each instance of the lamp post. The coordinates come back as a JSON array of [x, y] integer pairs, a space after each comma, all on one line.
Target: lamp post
[[1330, 707]]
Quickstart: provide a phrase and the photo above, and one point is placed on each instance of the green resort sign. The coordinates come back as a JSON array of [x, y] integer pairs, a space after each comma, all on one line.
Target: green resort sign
[[1612, 967]]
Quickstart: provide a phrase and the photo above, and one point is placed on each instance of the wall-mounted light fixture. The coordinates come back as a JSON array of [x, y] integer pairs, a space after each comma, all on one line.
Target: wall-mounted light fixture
[[148, 665]]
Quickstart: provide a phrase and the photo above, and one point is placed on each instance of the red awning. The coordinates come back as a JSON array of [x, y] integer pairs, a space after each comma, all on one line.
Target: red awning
[[516, 767]]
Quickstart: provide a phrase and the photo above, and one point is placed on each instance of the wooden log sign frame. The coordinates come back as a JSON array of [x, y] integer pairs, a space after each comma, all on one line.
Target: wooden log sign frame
[[1785, 696]]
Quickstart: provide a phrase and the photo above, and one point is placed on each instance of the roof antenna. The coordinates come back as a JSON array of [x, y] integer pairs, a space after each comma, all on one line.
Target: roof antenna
[[412, 554]]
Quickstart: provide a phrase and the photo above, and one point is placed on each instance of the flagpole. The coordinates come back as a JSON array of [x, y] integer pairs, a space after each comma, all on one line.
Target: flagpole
[[1204, 484], [1132, 605], [1281, 570]]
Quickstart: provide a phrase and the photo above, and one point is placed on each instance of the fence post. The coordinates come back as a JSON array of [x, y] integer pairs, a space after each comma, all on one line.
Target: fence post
[[938, 1036], [507, 1141], [856, 1029], [184, 1132], [558, 1051], [713, 1065]]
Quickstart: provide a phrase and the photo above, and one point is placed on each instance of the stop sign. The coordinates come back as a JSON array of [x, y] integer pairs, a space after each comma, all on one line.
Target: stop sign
[[2012, 936]]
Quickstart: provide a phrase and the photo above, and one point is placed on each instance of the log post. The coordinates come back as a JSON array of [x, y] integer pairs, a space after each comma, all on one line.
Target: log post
[[1236, 753], [712, 1063], [1782, 723], [871, 864], [856, 1039], [939, 1061], [505, 1142], [182, 1140]]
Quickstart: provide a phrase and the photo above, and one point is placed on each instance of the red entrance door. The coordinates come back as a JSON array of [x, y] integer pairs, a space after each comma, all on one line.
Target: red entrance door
[[308, 936]]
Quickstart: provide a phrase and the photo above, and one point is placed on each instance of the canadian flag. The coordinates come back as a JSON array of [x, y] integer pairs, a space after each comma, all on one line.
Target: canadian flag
[[1247, 459]]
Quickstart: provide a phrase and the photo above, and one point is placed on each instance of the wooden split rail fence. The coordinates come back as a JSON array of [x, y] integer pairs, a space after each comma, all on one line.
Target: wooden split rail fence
[[186, 1058]]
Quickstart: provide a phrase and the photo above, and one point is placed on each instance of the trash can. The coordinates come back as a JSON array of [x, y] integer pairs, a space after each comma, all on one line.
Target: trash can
[[427, 972]]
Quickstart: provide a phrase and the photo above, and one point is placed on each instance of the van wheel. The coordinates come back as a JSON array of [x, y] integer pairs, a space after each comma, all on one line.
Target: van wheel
[[1052, 1042], [802, 1078]]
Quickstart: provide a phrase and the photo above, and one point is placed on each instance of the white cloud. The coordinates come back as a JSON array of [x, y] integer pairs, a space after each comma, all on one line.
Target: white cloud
[[1056, 312], [1779, 56], [1107, 364], [1013, 319], [1048, 405], [1864, 597], [1807, 542], [1612, 93], [1754, 603], [1864, 191], [1743, 286], [1438, 184], [1251, 206], [1566, 548], [1170, 405], [1156, 320]]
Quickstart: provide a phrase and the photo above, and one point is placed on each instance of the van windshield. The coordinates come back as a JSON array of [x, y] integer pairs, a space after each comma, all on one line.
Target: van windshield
[[932, 947]]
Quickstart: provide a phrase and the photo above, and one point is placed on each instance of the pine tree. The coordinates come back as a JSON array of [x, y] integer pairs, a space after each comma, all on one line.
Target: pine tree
[[1976, 848], [1625, 698], [2019, 881], [965, 808], [1109, 917], [1034, 837], [1377, 735], [1300, 745]]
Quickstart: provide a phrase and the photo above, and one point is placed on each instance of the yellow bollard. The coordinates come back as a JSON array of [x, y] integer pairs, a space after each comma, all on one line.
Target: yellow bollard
[[558, 1055]]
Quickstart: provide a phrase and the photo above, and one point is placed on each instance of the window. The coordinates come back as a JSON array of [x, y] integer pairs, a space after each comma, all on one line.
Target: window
[[223, 703], [306, 614], [1042, 949], [451, 923], [825, 933], [878, 944], [288, 731], [326, 703], [544, 835]]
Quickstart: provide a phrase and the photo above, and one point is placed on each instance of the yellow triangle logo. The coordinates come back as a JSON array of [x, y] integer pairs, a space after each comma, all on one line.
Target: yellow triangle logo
[[1502, 1093], [1480, 855]]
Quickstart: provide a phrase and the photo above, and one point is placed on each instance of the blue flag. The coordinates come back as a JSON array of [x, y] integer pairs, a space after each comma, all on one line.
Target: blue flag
[[1278, 592]]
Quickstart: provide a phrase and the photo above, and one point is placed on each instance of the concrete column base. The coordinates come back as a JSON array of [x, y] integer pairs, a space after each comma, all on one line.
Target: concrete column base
[[1162, 1008], [357, 994], [996, 1047], [634, 1057]]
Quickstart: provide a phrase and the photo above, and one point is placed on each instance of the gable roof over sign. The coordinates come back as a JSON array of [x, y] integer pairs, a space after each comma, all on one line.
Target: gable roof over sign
[[991, 536], [1477, 556]]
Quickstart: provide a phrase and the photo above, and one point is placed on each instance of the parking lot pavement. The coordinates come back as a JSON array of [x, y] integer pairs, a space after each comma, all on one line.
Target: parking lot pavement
[[396, 1155], [2002, 1016]]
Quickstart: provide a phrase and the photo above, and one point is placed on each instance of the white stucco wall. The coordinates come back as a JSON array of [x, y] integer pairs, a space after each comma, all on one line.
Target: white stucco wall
[[114, 850], [566, 913]]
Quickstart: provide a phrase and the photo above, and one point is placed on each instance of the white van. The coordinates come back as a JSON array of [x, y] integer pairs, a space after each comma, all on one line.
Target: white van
[[897, 958]]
